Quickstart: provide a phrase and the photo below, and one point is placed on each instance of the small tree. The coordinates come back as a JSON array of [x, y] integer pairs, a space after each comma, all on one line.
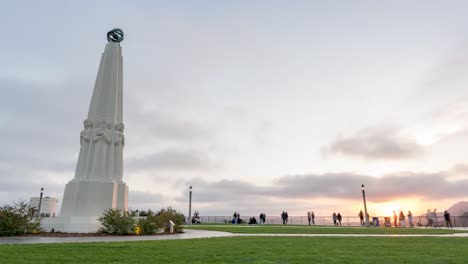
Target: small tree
[[163, 216], [117, 222], [15, 220]]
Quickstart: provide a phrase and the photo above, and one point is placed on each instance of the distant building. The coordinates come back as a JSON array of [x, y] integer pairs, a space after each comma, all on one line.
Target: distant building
[[48, 206]]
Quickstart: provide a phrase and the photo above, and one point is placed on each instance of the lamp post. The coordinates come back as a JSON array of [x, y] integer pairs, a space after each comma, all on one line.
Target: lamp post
[[365, 205], [190, 207], [40, 202]]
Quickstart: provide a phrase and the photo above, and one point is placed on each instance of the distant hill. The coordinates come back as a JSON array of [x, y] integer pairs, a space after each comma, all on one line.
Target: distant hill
[[458, 209]]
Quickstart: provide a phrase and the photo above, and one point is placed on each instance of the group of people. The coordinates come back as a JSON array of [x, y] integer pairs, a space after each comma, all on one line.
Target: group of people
[[252, 220], [236, 218], [431, 217], [311, 217], [337, 218], [399, 220], [196, 218]]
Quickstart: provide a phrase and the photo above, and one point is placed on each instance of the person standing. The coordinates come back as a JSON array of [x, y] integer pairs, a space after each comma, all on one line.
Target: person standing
[[287, 216], [447, 219], [410, 219], [402, 219], [234, 218], [434, 217], [283, 217], [395, 218], [260, 219], [429, 218], [309, 217], [361, 217], [313, 217], [338, 216], [334, 217]]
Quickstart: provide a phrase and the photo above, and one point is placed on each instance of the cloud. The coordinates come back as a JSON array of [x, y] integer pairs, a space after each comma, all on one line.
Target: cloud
[[343, 186], [174, 159], [141, 200], [376, 144]]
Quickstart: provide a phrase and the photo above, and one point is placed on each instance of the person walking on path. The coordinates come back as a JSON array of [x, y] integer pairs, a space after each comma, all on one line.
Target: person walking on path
[[334, 217], [309, 217], [338, 216], [410, 219], [313, 217], [395, 218], [402, 219], [447, 219], [361, 217]]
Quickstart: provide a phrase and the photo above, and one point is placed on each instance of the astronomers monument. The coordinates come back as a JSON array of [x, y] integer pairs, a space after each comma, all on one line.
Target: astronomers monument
[[98, 183]]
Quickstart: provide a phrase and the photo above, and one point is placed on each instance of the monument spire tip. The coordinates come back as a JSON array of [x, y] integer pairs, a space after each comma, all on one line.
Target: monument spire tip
[[115, 35]]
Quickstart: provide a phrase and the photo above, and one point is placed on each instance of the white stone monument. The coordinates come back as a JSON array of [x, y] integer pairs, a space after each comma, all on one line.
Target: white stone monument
[[98, 185]]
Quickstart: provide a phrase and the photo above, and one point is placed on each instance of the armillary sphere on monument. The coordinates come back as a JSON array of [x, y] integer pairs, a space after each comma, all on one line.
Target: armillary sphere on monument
[[115, 35]]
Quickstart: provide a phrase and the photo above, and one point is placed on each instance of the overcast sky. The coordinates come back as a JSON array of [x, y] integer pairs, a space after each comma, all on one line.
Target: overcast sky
[[260, 105]]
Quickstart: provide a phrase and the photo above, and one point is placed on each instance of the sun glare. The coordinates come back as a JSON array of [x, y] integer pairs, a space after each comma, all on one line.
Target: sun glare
[[387, 208]]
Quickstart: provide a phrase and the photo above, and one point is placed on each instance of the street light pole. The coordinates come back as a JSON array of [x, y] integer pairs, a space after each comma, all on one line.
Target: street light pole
[[365, 205], [190, 207], [40, 202]]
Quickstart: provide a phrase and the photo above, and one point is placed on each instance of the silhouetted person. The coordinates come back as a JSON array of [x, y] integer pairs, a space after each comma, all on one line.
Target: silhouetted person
[[361, 217], [309, 217], [334, 217], [313, 217], [283, 217], [395, 218], [447, 219], [338, 216]]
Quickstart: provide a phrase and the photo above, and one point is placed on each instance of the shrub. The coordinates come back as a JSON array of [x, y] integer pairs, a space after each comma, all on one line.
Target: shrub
[[147, 224], [15, 220], [163, 216], [117, 222]]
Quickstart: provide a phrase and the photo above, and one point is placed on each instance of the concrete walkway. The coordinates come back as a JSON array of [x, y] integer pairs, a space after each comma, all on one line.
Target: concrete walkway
[[189, 234]]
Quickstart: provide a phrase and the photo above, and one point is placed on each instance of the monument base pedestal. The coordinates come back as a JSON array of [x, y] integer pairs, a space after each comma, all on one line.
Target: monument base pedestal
[[84, 202], [92, 198], [71, 224]]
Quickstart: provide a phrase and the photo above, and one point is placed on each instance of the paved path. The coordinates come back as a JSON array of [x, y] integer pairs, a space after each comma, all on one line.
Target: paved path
[[189, 234]]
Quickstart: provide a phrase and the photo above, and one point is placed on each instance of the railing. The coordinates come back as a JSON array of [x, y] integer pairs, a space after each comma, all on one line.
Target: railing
[[457, 221]]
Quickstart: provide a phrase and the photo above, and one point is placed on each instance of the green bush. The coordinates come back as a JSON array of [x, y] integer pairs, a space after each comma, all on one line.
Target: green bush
[[15, 220], [163, 216], [117, 222], [147, 223]]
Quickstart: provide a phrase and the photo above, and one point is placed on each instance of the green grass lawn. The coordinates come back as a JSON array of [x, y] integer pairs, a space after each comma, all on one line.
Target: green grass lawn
[[289, 229], [249, 250]]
